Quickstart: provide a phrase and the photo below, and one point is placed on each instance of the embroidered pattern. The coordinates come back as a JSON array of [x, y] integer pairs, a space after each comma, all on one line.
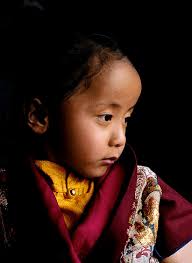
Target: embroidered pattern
[[143, 223], [7, 233]]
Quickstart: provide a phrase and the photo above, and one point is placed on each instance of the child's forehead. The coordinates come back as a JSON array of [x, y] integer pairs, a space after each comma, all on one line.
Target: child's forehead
[[117, 80], [119, 84]]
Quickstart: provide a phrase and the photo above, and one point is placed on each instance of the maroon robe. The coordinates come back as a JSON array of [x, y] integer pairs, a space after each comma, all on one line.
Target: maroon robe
[[101, 233]]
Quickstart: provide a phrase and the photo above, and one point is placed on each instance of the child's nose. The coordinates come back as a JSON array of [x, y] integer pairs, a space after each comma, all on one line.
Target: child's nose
[[118, 137]]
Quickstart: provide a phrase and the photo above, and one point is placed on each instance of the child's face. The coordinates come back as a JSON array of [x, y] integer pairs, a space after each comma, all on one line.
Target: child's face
[[93, 121]]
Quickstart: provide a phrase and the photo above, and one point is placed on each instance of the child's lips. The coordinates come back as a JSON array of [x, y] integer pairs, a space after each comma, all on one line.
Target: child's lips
[[108, 161]]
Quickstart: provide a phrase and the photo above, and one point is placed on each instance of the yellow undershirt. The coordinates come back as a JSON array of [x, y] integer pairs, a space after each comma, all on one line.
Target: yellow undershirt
[[71, 192]]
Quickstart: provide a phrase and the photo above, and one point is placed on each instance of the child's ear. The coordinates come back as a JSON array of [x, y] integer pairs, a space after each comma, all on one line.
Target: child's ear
[[37, 116]]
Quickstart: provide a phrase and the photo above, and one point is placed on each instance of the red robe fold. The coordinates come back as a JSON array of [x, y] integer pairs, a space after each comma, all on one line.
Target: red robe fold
[[101, 234], [106, 218]]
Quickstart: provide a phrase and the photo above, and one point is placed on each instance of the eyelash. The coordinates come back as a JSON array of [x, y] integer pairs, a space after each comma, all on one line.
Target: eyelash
[[110, 116]]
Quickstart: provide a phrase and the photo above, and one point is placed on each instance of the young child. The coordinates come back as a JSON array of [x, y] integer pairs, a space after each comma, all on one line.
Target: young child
[[74, 191]]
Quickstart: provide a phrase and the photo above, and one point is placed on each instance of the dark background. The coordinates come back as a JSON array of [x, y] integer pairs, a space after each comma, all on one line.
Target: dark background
[[158, 42]]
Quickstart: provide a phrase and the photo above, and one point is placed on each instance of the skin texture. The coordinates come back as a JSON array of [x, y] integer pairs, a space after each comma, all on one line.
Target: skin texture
[[182, 255], [92, 123]]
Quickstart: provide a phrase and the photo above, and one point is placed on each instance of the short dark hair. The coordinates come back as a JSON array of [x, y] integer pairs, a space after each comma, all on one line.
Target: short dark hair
[[53, 71], [50, 61]]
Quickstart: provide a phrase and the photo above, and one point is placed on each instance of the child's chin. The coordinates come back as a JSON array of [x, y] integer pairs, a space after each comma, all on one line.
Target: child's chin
[[99, 172]]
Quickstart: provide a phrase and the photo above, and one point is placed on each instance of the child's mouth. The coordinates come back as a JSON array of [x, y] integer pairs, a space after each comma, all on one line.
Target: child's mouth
[[108, 161]]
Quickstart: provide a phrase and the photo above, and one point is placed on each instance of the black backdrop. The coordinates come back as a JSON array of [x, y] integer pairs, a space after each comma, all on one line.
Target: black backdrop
[[157, 40]]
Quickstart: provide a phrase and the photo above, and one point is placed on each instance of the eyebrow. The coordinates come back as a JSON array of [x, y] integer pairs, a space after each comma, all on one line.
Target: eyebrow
[[113, 105]]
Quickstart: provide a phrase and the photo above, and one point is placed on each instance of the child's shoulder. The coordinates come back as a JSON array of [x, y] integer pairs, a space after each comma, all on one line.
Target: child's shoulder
[[174, 210], [146, 171], [147, 179], [159, 206]]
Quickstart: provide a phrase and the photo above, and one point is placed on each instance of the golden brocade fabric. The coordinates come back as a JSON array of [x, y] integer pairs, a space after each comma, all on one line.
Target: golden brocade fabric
[[142, 232]]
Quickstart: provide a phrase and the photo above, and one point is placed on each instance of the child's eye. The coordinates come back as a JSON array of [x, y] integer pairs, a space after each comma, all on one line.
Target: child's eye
[[105, 117]]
